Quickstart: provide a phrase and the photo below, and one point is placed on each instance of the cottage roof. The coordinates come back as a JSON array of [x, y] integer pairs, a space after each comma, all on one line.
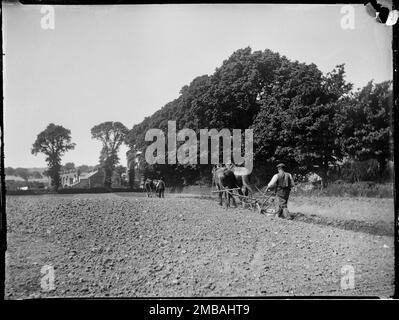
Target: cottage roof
[[86, 175]]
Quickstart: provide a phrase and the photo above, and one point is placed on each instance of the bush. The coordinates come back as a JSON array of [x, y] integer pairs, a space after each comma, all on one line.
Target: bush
[[355, 171], [357, 189]]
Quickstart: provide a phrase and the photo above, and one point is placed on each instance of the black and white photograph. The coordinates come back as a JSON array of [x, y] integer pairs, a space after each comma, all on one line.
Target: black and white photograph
[[198, 150]]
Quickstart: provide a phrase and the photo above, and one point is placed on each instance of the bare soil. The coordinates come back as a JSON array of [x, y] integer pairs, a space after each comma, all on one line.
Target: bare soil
[[370, 215], [129, 245]]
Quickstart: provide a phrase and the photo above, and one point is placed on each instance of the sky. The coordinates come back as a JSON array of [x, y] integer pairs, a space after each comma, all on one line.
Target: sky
[[122, 63]]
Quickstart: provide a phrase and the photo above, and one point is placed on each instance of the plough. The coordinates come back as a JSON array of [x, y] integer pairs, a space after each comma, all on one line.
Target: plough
[[264, 204]]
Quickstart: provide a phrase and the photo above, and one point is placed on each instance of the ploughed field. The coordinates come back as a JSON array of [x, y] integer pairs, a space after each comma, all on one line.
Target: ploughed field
[[129, 245]]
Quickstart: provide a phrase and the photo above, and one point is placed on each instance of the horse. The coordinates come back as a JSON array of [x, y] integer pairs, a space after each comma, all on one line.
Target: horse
[[149, 186], [243, 176], [230, 178]]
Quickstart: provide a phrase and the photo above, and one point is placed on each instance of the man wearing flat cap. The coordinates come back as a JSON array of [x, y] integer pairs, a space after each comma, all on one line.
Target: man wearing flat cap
[[282, 182]]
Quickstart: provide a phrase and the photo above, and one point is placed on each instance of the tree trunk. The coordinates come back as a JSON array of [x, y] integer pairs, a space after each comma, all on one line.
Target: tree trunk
[[108, 179], [54, 173], [323, 175], [131, 177], [382, 163]]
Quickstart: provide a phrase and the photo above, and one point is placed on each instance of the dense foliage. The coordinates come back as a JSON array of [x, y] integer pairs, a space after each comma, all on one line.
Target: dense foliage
[[309, 120], [366, 128]]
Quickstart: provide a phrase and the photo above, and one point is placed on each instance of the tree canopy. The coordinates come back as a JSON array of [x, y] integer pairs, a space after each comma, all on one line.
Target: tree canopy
[[308, 119], [366, 132], [68, 166], [298, 122], [111, 135], [54, 141]]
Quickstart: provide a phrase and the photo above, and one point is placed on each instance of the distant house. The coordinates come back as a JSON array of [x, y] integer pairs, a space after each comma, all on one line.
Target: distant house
[[69, 178], [91, 179], [74, 179], [44, 180]]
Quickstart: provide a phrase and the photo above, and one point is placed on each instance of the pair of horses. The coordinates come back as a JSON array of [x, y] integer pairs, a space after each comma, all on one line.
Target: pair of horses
[[231, 178]]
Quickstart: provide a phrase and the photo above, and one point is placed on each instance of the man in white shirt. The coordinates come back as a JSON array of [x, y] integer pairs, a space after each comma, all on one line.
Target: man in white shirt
[[282, 182]]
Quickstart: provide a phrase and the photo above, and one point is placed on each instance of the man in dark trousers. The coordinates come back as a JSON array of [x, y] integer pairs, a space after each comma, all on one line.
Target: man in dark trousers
[[283, 183], [161, 187]]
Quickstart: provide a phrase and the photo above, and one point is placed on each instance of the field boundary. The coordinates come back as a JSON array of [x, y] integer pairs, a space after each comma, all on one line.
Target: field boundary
[[380, 229], [69, 191]]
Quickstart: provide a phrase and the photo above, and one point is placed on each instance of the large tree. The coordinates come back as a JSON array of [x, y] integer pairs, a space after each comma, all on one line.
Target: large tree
[[54, 141], [298, 120], [366, 132], [112, 135]]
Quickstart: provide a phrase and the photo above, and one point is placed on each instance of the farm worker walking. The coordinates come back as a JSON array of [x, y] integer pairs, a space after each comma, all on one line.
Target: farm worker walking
[[282, 182], [161, 187]]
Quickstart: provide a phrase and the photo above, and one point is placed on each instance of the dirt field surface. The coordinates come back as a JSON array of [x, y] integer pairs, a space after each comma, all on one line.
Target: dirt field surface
[[370, 215], [128, 245]]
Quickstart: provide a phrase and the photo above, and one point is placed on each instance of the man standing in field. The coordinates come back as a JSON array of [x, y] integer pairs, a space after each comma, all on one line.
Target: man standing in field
[[282, 182], [161, 187]]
